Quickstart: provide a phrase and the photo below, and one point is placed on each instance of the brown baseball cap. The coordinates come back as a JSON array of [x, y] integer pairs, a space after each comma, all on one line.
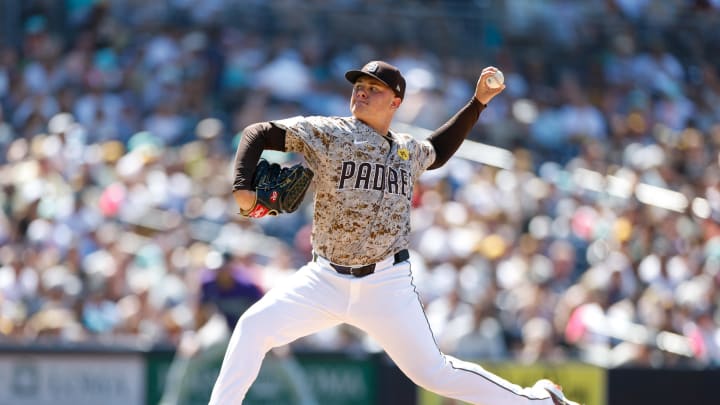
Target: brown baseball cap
[[383, 71]]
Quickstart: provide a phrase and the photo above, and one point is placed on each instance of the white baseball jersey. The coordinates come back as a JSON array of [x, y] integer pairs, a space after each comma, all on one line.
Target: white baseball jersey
[[364, 184]]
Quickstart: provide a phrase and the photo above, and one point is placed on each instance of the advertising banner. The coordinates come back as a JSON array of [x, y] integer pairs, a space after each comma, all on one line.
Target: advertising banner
[[71, 379], [304, 379]]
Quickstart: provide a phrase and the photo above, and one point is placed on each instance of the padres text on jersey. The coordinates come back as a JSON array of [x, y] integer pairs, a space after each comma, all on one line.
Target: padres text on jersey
[[374, 176]]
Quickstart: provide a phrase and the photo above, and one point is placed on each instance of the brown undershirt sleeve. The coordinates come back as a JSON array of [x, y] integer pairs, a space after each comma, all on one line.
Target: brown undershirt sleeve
[[255, 139], [447, 139]]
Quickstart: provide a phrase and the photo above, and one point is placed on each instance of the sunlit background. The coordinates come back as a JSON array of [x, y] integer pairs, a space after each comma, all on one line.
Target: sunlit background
[[575, 234]]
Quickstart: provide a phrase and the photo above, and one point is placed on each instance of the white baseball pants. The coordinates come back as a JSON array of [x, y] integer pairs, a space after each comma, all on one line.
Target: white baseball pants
[[385, 305]]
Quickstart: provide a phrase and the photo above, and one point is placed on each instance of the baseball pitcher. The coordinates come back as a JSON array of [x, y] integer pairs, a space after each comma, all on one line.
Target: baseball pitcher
[[364, 174]]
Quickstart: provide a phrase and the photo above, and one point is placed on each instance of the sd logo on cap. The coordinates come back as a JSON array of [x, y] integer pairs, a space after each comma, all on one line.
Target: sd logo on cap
[[383, 71]]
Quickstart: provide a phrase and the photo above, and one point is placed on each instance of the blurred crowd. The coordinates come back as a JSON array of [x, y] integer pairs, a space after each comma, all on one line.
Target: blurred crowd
[[598, 240]]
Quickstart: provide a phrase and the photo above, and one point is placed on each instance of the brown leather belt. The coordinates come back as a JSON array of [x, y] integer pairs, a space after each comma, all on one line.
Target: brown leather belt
[[362, 271]]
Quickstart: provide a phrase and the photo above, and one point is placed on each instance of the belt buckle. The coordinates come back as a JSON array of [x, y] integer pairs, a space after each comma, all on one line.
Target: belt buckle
[[357, 271], [361, 271]]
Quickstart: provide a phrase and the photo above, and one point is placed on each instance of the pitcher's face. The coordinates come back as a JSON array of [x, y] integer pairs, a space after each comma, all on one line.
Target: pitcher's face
[[372, 100]]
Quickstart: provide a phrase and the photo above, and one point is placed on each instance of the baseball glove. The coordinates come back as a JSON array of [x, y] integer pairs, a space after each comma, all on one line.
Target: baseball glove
[[278, 189]]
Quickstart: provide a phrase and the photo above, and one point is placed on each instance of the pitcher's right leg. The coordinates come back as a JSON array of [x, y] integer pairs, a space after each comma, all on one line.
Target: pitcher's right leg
[[394, 317]]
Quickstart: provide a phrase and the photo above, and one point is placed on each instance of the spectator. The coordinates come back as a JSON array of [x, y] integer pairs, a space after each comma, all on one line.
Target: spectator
[[227, 289]]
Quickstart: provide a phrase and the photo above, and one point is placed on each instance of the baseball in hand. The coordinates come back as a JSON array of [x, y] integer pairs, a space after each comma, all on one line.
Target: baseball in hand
[[496, 80]]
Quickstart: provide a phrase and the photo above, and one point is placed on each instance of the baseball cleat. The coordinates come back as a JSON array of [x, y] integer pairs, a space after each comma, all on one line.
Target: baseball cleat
[[555, 392]]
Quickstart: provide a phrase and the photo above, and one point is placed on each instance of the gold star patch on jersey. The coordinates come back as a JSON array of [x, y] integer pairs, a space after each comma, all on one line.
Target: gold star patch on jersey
[[403, 153]]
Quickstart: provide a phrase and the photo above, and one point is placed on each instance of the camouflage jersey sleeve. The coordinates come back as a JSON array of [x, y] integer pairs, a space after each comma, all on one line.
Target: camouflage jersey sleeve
[[363, 185]]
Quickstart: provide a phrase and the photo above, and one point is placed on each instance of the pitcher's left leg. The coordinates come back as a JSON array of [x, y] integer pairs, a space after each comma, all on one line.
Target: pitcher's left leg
[[391, 313], [308, 302]]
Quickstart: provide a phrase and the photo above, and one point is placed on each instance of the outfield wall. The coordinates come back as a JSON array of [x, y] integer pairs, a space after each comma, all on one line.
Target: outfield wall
[[34, 375]]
